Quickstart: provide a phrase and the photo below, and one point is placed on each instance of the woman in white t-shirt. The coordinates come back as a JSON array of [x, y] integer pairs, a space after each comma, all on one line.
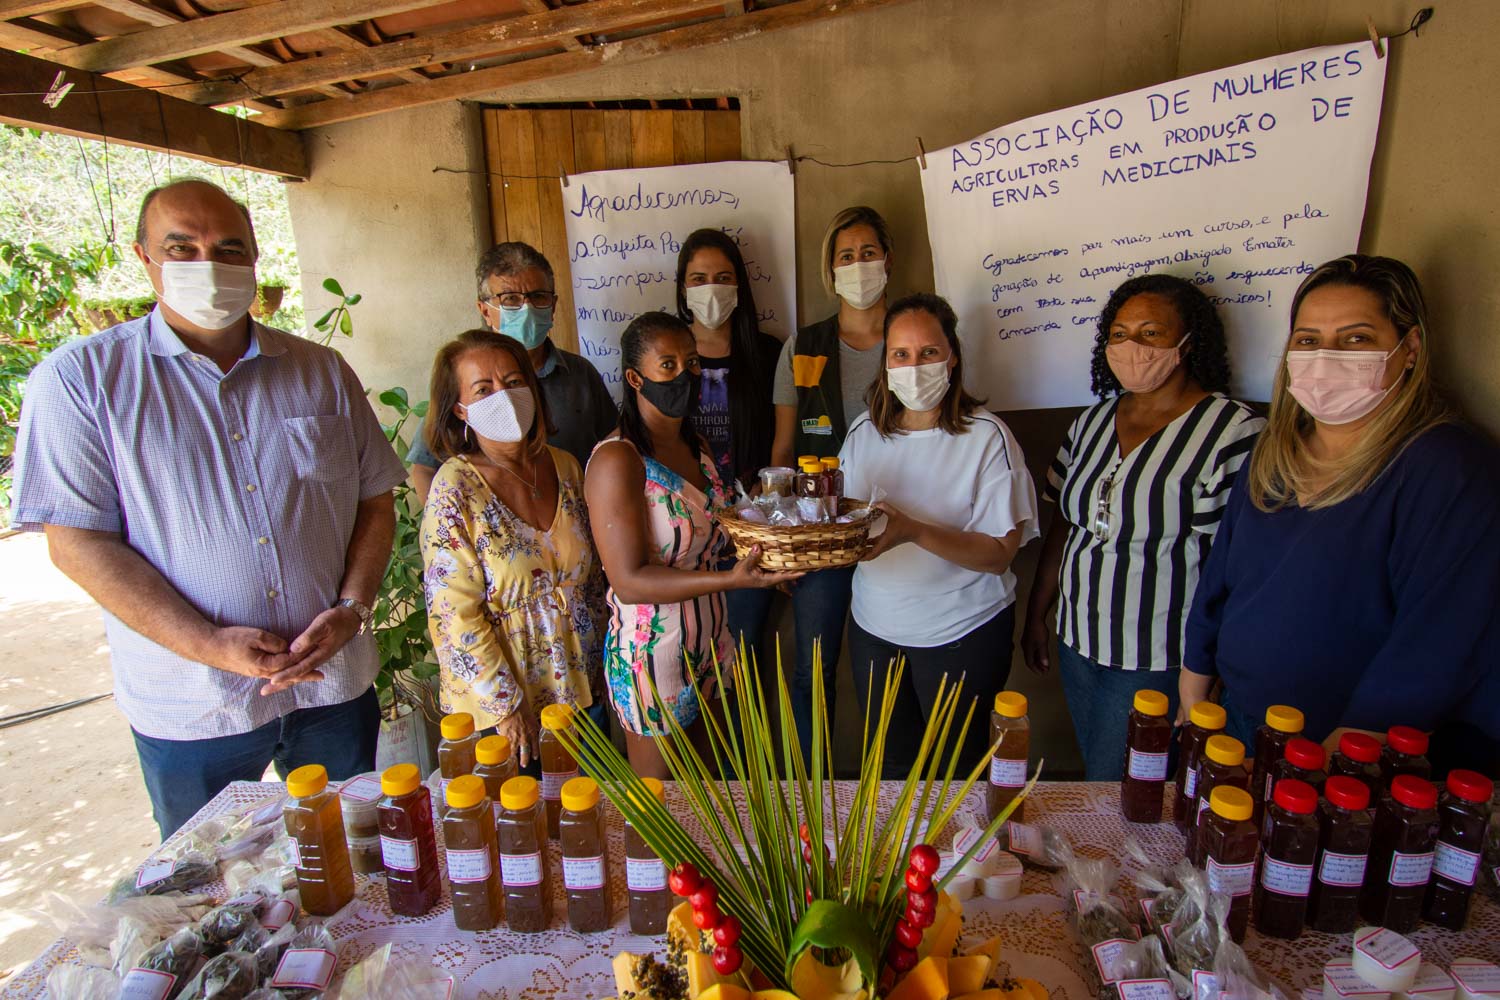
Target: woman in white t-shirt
[[936, 587]]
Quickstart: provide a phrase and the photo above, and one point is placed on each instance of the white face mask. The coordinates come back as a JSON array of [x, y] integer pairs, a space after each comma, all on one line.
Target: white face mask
[[505, 416], [860, 284], [919, 387], [711, 304], [206, 293]]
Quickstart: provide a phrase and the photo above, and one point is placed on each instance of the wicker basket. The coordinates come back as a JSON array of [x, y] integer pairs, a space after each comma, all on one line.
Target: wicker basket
[[802, 547]]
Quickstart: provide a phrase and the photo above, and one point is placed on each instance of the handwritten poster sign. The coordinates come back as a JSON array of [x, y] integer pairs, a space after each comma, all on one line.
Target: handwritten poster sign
[[1241, 180], [625, 228]]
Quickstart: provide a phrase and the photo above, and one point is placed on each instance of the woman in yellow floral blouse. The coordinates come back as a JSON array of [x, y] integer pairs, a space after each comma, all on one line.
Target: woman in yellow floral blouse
[[515, 593]]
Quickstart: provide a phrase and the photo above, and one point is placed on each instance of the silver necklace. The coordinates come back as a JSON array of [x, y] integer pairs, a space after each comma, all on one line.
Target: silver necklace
[[536, 493]]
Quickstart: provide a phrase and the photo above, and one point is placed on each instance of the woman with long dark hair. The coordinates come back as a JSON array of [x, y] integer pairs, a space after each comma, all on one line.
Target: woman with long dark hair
[[652, 487], [1139, 484]]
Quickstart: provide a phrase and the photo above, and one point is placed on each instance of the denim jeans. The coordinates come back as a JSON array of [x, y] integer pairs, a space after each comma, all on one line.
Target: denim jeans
[[1099, 700], [747, 610], [981, 658], [182, 775], [820, 603]]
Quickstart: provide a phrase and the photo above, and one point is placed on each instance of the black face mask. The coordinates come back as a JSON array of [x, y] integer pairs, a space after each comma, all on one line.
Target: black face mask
[[675, 398]]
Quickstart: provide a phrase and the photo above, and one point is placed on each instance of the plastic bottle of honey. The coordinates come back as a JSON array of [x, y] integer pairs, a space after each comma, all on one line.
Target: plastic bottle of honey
[[315, 823], [1290, 846], [1343, 856], [580, 830], [408, 843], [523, 856], [1230, 845], [833, 486], [495, 764], [1009, 725], [646, 876], [469, 834], [1223, 757], [1358, 756], [1303, 760], [558, 766], [1148, 741], [812, 501], [1401, 854], [1405, 752], [1204, 719], [1463, 814], [455, 750], [1283, 722]]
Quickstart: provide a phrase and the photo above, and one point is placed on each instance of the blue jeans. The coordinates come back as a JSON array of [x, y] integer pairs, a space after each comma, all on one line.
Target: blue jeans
[[747, 610], [182, 775], [1238, 724], [1099, 700], [821, 605]]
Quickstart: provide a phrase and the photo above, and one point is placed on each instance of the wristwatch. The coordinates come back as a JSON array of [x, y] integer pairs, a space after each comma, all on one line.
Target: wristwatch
[[362, 610]]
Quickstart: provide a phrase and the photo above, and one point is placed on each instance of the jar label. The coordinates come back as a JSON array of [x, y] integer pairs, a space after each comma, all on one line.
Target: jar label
[[1456, 864], [583, 873], [1202, 808], [966, 838], [469, 866], [1231, 880], [1286, 879], [552, 782], [307, 968], [521, 869], [277, 916], [645, 874], [294, 852], [1108, 957], [1430, 979], [1389, 949], [1476, 977], [1148, 767], [361, 789], [1205, 984], [1266, 795], [1410, 869], [1023, 839], [1146, 989], [400, 855], [154, 871], [146, 984], [1347, 870], [1007, 773], [1346, 982], [1190, 786]]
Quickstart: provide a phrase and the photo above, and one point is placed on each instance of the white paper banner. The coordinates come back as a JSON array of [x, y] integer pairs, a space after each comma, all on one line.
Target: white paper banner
[[1240, 180], [625, 228]]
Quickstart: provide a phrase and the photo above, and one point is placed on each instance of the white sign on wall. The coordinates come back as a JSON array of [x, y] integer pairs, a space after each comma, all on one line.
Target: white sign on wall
[[1241, 180], [625, 228]]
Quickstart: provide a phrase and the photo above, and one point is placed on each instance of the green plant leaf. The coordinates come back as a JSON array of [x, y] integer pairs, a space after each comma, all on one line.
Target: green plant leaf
[[829, 924], [353, 300], [393, 398], [332, 286], [420, 409]]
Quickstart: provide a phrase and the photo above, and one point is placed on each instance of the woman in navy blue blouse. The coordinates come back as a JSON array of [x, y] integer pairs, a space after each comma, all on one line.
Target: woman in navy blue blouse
[[1356, 571]]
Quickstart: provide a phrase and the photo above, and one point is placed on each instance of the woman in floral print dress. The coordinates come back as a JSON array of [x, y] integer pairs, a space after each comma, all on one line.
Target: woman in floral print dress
[[652, 487], [515, 595]]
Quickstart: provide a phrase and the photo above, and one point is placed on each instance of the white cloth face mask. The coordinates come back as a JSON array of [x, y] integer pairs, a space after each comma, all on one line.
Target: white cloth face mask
[[919, 387], [711, 305], [860, 284], [505, 416], [207, 293]]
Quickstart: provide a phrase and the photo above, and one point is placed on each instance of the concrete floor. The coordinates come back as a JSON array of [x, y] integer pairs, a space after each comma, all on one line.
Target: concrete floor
[[75, 811]]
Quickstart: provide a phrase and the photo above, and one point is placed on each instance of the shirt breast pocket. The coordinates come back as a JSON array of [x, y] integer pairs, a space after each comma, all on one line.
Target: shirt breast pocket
[[320, 448]]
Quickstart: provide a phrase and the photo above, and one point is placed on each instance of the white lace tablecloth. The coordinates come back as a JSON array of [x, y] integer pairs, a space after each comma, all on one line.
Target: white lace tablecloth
[[1038, 939]]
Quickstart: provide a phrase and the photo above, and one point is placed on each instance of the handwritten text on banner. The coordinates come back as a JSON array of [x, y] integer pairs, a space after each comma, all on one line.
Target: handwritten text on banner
[[625, 228], [1240, 180]]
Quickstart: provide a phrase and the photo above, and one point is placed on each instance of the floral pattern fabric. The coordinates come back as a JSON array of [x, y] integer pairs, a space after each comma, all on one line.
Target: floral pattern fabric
[[515, 612], [671, 644]]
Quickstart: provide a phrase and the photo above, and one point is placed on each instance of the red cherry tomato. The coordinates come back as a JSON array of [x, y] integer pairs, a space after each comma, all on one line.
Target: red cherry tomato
[[809, 895], [908, 933], [924, 899], [707, 894], [684, 880], [901, 957], [924, 858], [727, 959], [920, 918], [916, 881], [727, 932], [705, 918], [804, 833]]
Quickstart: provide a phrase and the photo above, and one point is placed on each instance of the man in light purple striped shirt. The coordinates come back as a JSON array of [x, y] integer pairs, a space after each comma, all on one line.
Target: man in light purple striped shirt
[[223, 490]]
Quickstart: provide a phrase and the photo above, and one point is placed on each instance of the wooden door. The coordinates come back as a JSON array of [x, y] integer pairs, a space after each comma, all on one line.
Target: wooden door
[[526, 148]]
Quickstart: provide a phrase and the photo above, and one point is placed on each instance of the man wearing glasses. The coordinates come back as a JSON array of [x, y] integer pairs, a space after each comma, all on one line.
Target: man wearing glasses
[[517, 297]]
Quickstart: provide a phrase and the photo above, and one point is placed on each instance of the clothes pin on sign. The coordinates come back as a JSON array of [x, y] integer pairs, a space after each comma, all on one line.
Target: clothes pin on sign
[[1374, 37], [921, 153], [562, 172], [791, 162], [57, 91]]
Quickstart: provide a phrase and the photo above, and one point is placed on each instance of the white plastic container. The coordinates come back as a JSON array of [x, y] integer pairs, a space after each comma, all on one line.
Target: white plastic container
[[1341, 982], [1477, 980], [1432, 983], [1385, 959]]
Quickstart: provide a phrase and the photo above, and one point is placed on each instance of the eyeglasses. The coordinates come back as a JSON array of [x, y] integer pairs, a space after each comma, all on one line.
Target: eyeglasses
[[515, 300], [1101, 509]]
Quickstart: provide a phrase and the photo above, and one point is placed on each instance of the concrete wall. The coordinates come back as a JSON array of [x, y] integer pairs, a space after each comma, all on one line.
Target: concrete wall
[[864, 86]]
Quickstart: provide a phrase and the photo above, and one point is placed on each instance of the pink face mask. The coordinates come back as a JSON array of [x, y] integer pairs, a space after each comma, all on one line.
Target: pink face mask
[[1142, 367], [1338, 387]]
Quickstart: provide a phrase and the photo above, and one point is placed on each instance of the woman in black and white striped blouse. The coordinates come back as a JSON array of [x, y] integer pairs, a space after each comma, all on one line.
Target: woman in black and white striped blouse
[[1140, 482]]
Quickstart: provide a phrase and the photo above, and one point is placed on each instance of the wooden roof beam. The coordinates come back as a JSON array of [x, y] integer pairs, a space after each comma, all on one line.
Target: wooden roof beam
[[496, 38], [571, 42], [101, 108], [630, 50], [237, 27]]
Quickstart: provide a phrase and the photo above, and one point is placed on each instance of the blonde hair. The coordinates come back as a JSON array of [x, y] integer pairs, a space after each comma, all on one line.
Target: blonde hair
[[1282, 469], [857, 215]]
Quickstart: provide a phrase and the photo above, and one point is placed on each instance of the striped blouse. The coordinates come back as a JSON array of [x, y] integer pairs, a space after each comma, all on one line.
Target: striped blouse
[[1140, 527]]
